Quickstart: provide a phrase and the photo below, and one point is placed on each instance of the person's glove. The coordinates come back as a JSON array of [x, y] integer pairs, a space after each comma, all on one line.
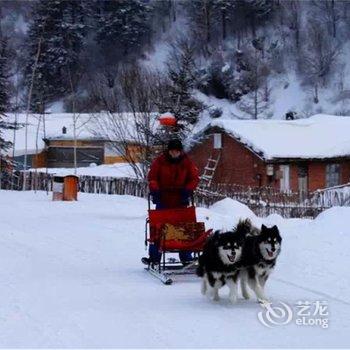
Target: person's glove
[[155, 197], [185, 196]]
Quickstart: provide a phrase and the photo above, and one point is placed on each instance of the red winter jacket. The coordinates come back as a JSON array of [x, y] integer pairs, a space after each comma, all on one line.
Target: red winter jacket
[[170, 177]]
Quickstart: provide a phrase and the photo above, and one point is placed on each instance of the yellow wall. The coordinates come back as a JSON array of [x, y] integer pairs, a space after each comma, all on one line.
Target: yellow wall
[[114, 159], [133, 151]]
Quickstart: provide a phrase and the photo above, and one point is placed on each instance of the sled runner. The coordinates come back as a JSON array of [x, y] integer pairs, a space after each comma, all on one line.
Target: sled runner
[[173, 231]]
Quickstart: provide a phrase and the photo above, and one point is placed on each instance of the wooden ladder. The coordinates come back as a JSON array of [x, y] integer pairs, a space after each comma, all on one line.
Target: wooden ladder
[[209, 171]]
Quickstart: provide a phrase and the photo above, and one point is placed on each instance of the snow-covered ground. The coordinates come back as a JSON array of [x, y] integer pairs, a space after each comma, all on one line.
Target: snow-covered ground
[[71, 277]]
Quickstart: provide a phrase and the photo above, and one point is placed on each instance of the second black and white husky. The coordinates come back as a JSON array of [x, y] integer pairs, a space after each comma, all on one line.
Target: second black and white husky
[[219, 264], [258, 259]]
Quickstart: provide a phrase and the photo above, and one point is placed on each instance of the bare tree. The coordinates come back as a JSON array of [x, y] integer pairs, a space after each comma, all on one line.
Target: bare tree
[[293, 8], [75, 117], [319, 56], [201, 15], [131, 134], [255, 104], [329, 11], [27, 111]]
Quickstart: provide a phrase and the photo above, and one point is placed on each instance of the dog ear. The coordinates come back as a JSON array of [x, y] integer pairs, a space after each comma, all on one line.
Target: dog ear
[[275, 228], [263, 227], [216, 237]]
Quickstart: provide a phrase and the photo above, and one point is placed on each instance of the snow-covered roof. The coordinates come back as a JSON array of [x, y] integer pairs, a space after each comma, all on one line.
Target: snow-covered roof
[[109, 170], [51, 128], [318, 137], [87, 129]]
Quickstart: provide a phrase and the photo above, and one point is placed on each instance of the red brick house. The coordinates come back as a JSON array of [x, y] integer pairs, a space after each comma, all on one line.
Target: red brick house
[[298, 155]]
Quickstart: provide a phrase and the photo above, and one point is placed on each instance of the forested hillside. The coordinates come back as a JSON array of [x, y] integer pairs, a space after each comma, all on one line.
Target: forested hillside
[[252, 58]]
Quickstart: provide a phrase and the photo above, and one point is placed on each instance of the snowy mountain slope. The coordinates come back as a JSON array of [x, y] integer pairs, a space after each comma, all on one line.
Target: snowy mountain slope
[[71, 277]]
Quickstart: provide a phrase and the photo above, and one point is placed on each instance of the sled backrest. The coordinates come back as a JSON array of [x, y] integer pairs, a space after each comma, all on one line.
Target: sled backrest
[[172, 216]]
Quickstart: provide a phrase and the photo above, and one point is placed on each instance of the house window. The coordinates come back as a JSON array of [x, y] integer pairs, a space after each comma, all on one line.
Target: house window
[[285, 178], [332, 175], [303, 179], [217, 141]]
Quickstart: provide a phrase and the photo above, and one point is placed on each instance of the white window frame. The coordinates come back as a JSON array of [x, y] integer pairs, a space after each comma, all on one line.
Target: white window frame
[[217, 141], [285, 178]]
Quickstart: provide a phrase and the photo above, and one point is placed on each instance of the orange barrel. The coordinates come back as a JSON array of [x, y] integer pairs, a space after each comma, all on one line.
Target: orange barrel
[[70, 192], [57, 188]]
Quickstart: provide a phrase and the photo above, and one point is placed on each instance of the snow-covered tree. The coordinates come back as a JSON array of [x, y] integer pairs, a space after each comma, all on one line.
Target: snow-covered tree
[[201, 18], [181, 75], [122, 26], [4, 95], [258, 65], [59, 27], [4, 107], [329, 11]]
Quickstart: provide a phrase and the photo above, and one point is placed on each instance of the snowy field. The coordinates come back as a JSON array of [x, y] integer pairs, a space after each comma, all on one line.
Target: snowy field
[[71, 277]]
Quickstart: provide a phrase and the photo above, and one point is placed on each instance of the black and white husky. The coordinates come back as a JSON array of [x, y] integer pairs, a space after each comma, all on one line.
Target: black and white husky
[[220, 261], [258, 259]]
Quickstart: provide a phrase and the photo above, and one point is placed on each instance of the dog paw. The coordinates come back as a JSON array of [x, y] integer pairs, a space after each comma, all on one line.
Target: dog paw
[[216, 298], [263, 301], [233, 300]]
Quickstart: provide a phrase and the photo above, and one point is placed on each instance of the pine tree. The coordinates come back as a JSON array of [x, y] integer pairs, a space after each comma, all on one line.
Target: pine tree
[[58, 28], [122, 27], [4, 105], [254, 11], [201, 15], [223, 11], [180, 101]]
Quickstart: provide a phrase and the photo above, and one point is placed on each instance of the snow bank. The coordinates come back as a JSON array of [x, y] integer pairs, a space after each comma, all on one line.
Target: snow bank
[[231, 207], [333, 219], [225, 214]]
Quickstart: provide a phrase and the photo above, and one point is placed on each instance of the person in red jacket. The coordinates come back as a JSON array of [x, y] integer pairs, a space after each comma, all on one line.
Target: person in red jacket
[[172, 179]]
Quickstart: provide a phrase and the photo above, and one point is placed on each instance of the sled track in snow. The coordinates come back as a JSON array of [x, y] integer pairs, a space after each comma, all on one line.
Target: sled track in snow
[[325, 295]]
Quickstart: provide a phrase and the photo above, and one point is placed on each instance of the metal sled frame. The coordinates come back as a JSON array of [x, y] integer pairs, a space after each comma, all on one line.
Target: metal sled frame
[[167, 268]]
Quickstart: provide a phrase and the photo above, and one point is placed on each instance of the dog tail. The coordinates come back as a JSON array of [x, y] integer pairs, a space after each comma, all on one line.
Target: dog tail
[[244, 226]]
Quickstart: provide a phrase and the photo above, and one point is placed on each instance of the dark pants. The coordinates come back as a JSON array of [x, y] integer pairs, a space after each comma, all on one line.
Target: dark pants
[[156, 256]]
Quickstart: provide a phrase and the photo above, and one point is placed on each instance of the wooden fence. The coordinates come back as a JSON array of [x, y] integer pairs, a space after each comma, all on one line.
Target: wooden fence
[[332, 196], [262, 201], [88, 184]]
